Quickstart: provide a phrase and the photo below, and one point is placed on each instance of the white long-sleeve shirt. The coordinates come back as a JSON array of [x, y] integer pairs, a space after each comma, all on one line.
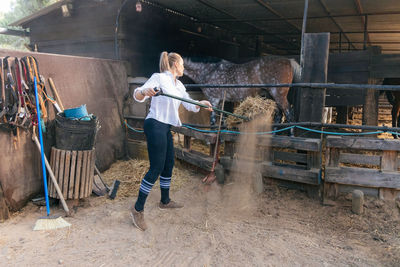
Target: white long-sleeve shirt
[[162, 108]]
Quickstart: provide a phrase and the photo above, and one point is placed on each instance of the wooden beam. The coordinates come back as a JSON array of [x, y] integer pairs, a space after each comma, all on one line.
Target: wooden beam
[[290, 172], [209, 138], [362, 143], [290, 156], [362, 159], [362, 177], [307, 144], [193, 157]]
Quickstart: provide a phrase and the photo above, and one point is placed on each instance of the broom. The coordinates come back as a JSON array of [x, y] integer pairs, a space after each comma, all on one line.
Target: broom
[[48, 222]]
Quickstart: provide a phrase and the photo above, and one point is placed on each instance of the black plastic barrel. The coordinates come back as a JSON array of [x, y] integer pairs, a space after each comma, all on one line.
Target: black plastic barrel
[[75, 134]]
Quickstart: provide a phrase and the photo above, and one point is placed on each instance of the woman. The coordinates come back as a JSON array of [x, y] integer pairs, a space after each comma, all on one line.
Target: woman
[[163, 113]]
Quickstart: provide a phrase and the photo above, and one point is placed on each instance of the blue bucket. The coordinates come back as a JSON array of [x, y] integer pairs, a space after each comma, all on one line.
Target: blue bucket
[[77, 113]]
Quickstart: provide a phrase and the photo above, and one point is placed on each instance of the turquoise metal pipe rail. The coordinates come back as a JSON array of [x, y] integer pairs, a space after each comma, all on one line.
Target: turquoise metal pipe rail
[[275, 131]]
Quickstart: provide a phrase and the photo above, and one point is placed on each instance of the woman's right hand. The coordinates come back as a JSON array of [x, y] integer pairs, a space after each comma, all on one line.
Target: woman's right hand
[[147, 92]]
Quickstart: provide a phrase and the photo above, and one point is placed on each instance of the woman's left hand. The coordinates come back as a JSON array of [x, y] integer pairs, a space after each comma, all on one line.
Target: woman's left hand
[[205, 102]]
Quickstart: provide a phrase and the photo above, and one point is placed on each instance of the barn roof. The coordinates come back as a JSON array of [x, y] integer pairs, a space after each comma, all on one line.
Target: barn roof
[[278, 23], [44, 11]]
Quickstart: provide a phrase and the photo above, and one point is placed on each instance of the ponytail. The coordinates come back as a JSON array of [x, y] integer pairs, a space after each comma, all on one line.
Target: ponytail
[[167, 60], [164, 64]]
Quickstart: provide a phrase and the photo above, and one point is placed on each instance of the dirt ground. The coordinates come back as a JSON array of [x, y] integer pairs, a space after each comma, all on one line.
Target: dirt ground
[[219, 226], [280, 227]]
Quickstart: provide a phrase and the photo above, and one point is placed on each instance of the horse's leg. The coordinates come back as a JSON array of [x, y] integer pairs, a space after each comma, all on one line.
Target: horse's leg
[[280, 97], [390, 97]]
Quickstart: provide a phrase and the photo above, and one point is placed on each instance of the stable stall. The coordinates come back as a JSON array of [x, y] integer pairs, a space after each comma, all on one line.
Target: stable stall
[[333, 42]]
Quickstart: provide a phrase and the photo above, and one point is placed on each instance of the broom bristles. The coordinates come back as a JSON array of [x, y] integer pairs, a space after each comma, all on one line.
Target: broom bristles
[[50, 223]]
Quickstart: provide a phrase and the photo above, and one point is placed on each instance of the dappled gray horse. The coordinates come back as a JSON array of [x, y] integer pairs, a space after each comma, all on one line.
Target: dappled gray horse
[[266, 69]]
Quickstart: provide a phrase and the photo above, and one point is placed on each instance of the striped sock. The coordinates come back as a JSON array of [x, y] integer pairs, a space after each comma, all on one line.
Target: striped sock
[[145, 187], [144, 190], [165, 183]]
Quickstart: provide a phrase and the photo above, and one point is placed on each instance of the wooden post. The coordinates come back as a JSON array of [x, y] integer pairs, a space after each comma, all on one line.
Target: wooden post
[[310, 101], [389, 164], [370, 108], [229, 148], [331, 190]]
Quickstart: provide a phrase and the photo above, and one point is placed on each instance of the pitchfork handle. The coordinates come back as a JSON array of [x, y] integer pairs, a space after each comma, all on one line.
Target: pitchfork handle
[[159, 92]]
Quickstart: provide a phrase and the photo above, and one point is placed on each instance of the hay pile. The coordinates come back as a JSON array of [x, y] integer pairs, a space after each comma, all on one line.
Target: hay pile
[[252, 107], [131, 172]]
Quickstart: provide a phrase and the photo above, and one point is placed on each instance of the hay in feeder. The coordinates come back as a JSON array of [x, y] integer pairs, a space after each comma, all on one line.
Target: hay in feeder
[[131, 172], [252, 107]]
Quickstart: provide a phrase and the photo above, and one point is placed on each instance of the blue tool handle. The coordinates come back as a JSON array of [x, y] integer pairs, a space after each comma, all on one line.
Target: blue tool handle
[[42, 148]]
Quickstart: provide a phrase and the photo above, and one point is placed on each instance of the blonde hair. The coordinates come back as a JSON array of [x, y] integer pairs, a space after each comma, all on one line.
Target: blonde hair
[[167, 60]]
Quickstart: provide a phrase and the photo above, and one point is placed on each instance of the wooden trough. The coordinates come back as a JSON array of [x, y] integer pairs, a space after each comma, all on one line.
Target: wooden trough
[[74, 171]]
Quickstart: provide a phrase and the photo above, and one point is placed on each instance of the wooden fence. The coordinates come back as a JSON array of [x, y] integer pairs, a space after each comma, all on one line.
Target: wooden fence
[[287, 158], [362, 162], [350, 162]]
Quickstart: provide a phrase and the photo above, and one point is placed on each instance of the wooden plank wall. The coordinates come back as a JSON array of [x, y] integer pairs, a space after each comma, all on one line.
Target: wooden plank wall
[[88, 32], [350, 67], [385, 66]]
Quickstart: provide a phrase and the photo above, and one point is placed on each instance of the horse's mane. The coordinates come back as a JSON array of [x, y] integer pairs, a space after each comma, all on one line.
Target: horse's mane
[[204, 59]]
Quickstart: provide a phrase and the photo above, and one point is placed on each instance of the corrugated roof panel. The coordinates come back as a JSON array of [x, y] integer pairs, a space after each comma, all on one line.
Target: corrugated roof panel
[[192, 8]]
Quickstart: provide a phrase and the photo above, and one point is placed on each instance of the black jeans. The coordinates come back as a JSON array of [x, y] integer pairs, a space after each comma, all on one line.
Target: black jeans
[[160, 147]]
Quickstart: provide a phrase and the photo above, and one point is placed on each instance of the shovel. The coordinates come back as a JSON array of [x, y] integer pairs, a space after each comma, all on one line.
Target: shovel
[[210, 178]]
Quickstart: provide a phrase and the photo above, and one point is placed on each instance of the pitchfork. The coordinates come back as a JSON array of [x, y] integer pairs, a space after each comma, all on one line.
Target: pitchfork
[[210, 178]]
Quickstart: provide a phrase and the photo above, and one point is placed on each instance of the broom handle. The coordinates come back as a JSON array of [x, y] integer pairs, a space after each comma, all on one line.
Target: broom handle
[[53, 87], [53, 178], [41, 150], [204, 106]]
